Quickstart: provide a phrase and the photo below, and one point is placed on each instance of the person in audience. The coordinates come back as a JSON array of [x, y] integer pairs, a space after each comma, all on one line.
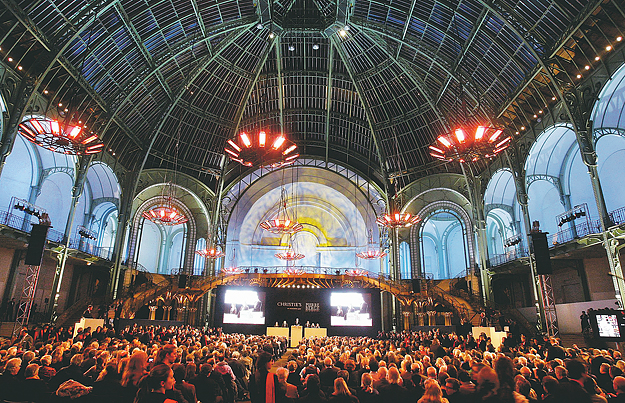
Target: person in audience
[[312, 392], [264, 386], [291, 393], [341, 393], [153, 386]]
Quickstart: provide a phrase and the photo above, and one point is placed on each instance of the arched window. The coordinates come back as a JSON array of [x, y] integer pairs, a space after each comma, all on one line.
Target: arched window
[[404, 260], [199, 262], [609, 131], [556, 177], [444, 245]]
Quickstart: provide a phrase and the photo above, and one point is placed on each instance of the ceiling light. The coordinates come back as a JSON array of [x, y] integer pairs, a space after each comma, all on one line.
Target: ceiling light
[[10, 59], [535, 116], [608, 48], [342, 32], [540, 111], [60, 138], [212, 253], [522, 127], [579, 76], [553, 98], [251, 150], [19, 68], [315, 47], [271, 35], [45, 91], [597, 58], [619, 38], [470, 144], [291, 48], [259, 26], [587, 67]]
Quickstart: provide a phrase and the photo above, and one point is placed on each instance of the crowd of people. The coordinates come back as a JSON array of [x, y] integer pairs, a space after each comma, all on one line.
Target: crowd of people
[[190, 365]]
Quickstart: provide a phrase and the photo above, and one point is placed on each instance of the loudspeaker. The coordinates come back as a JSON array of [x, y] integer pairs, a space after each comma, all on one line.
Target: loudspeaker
[[36, 244], [416, 284], [541, 252], [182, 281]]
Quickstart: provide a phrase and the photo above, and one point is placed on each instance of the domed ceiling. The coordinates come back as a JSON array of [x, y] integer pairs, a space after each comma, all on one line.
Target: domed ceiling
[[365, 83]]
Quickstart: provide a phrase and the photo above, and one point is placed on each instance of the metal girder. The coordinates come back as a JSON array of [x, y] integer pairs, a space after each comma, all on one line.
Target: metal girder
[[366, 107], [517, 21], [415, 79], [263, 10], [465, 49], [280, 83], [573, 27], [203, 64], [373, 27], [198, 17], [605, 131], [492, 206], [141, 46], [188, 45], [329, 99], [406, 25], [251, 86]]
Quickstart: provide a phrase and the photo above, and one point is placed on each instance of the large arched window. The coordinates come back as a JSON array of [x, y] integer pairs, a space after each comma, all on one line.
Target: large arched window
[[444, 245], [199, 262], [161, 248], [404, 260], [609, 132], [503, 216], [556, 178]]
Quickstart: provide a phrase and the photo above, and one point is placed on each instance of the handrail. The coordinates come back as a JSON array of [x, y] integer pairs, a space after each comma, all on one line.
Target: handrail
[[461, 310]]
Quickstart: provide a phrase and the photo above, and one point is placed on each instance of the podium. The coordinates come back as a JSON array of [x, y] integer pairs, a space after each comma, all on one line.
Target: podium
[[315, 332], [278, 331], [87, 322], [296, 335]]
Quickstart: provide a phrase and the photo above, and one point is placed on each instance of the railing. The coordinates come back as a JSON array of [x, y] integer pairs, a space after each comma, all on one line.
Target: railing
[[439, 294], [23, 224], [618, 216], [498, 260], [579, 231]]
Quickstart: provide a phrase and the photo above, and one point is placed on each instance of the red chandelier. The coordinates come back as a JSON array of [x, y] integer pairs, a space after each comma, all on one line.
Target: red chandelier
[[261, 149], [292, 271], [211, 253], [165, 215], [470, 145], [289, 255], [357, 272], [282, 224], [231, 270], [398, 220], [372, 252], [50, 134]]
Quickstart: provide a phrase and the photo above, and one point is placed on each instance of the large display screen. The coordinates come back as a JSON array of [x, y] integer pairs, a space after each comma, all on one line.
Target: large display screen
[[608, 326], [244, 307], [350, 309]]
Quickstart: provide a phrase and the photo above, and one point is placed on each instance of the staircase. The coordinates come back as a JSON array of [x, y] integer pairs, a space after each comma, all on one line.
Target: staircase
[[74, 312], [461, 307]]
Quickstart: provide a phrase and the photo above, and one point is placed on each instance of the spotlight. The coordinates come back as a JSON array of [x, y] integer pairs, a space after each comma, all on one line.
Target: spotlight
[[343, 33], [553, 98], [579, 76], [291, 48], [587, 67], [597, 58], [315, 47], [271, 35], [259, 26], [619, 38], [608, 48]]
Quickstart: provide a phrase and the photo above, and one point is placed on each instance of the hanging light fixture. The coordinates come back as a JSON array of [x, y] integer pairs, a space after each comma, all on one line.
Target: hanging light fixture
[[283, 223], [290, 254], [397, 220], [372, 252], [60, 138], [470, 144], [66, 133], [261, 149], [212, 253], [165, 213]]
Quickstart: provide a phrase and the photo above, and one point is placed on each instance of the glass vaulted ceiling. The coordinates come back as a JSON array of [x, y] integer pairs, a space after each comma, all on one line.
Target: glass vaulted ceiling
[[374, 99]]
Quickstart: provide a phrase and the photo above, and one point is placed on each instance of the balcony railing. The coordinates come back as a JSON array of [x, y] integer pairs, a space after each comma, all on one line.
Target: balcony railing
[[579, 231], [23, 224], [498, 260]]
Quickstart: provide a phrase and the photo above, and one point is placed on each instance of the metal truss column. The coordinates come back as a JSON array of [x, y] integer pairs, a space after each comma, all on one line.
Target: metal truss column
[[522, 198], [549, 304], [79, 182], [25, 303], [580, 103]]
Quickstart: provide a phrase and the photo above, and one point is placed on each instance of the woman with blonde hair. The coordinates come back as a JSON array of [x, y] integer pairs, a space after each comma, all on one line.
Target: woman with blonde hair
[[135, 369], [367, 393], [433, 393], [341, 393]]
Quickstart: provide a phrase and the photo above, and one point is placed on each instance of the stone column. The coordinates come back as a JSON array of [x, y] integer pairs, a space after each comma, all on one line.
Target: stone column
[[432, 318], [448, 316], [153, 309]]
